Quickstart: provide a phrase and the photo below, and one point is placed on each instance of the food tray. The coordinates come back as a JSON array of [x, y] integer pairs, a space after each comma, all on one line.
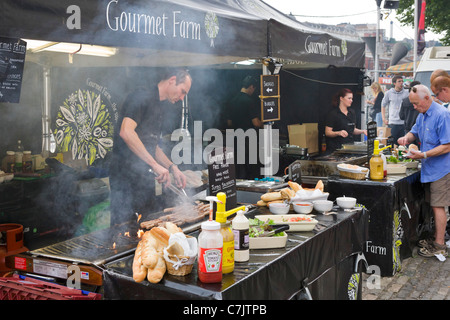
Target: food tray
[[293, 226], [396, 169], [353, 175], [268, 242], [411, 164]]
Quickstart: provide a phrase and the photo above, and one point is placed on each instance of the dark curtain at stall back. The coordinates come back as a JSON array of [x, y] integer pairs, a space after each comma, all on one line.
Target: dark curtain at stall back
[[306, 95]]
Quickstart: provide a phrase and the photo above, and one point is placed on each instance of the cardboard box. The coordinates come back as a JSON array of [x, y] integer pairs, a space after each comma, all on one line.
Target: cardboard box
[[383, 133], [305, 136]]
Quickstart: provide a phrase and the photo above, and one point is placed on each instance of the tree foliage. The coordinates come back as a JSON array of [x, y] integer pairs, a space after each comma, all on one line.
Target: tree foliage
[[436, 17]]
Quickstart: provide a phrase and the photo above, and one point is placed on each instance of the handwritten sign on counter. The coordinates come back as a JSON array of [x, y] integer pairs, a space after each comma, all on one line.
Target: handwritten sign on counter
[[222, 177]]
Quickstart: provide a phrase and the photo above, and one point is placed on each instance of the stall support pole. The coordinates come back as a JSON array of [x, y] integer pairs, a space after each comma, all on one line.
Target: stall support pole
[[46, 147], [268, 163]]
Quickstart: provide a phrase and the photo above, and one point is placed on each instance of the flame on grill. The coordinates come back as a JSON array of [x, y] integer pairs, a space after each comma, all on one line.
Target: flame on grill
[[140, 233], [114, 245]]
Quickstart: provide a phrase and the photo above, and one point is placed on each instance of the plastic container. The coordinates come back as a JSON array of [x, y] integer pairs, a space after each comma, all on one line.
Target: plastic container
[[27, 162], [228, 247], [240, 226], [210, 243]]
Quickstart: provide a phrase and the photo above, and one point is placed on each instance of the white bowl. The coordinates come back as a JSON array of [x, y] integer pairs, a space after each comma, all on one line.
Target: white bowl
[[323, 205], [303, 207], [279, 208], [346, 202]]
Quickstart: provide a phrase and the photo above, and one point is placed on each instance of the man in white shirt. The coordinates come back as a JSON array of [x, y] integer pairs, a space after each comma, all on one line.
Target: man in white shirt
[[393, 101]]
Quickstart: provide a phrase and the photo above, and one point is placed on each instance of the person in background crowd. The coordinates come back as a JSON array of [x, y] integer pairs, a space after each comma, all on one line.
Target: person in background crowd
[[441, 89], [432, 128], [244, 113], [407, 111], [378, 96], [392, 101], [340, 125], [136, 148]]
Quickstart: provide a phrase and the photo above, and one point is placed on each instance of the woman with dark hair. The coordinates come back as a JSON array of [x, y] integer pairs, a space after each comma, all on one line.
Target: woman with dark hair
[[340, 125]]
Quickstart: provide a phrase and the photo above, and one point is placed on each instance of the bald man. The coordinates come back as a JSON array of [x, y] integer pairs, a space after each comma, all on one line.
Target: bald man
[[432, 128], [441, 88]]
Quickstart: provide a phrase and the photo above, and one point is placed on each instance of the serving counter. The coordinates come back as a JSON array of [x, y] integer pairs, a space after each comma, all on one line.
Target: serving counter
[[398, 215], [319, 264]]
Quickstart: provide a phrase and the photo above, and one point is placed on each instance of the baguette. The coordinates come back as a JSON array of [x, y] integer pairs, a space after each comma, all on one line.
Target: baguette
[[154, 275], [139, 270], [295, 186], [261, 203], [319, 185], [161, 235], [287, 193], [271, 196]]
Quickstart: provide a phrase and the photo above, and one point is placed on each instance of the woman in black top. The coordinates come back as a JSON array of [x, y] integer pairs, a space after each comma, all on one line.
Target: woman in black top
[[378, 96], [340, 124]]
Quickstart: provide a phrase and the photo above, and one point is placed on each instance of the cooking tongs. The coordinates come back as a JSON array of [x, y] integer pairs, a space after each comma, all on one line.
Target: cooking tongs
[[178, 191]]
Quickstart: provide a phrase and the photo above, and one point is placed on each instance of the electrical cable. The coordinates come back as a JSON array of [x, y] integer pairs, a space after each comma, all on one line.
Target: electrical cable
[[319, 81]]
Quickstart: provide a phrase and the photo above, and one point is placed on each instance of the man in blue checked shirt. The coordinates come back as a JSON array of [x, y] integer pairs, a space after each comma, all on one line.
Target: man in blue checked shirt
[[432, 127]]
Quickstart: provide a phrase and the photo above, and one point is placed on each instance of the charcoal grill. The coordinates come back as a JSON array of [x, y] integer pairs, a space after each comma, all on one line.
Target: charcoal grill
[[90, 252]]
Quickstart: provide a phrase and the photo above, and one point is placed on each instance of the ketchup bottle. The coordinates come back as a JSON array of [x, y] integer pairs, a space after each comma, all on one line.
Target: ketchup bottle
[[210, 242]]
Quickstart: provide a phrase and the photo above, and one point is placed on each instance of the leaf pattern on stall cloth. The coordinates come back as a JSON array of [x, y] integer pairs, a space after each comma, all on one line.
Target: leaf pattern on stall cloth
[[353, 285], [397, 242], [84, 127]]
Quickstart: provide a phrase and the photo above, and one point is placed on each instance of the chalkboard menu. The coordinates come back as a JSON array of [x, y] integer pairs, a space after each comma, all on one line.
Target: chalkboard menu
[[222, 177], [371, 136], [295, 172], [12, 59]]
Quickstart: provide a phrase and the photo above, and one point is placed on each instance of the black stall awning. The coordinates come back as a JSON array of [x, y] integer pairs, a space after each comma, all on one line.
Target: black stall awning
[[235, 28]]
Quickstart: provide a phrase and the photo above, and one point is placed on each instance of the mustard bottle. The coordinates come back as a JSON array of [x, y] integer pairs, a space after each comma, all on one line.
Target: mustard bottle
[[225, 230], [376, 162]]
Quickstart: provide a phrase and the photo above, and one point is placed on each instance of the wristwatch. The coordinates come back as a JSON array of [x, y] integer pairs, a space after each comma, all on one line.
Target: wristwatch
[[170, 167], [424, 155]]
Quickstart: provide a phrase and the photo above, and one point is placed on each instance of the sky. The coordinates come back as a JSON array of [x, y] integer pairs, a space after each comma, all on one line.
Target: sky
[[350, 11]]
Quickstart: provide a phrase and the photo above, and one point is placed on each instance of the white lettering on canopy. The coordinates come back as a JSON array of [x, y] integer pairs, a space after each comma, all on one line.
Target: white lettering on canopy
[[135, 22]]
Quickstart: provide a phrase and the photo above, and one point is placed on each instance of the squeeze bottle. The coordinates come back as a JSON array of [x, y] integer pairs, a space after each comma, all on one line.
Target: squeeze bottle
[[241, 226], [376, 162], [210, 243]]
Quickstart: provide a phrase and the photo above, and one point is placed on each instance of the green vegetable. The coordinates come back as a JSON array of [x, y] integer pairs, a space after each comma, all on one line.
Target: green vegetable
[[258, 227]]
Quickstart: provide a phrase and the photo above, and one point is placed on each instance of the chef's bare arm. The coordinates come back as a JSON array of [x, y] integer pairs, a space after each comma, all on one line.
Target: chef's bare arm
[[180, 178], [131, 138]]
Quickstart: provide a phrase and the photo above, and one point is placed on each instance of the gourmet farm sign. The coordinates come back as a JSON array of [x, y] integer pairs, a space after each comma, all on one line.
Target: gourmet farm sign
[[173, 24]]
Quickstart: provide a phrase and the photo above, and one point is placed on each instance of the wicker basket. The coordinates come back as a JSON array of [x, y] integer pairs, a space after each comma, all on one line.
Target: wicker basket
[[182, 268], [353, 175]]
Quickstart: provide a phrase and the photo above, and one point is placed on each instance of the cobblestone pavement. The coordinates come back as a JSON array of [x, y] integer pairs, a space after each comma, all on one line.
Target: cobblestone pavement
[[420, 279]]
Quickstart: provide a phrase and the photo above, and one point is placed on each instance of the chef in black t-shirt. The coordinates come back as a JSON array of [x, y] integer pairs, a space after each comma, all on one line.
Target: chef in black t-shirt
[[340, 125], [243, 113], [136, 147]]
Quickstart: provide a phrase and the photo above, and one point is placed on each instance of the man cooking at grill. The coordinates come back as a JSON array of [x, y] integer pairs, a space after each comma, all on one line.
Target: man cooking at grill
[[136, 148]]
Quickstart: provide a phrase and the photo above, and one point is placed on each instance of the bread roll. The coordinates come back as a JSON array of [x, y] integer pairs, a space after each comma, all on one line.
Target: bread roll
[[319, 185], [295, 186], [271, 196], [139, 270], [149, 250], [154, 275], [412, 146], [172, 227], [175, 249], [261, 203], [162, 235], [287, 193]]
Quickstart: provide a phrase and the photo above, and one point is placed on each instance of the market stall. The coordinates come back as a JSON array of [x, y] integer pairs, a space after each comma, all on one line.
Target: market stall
[[398, 215], [202, 35], [323, 262]]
